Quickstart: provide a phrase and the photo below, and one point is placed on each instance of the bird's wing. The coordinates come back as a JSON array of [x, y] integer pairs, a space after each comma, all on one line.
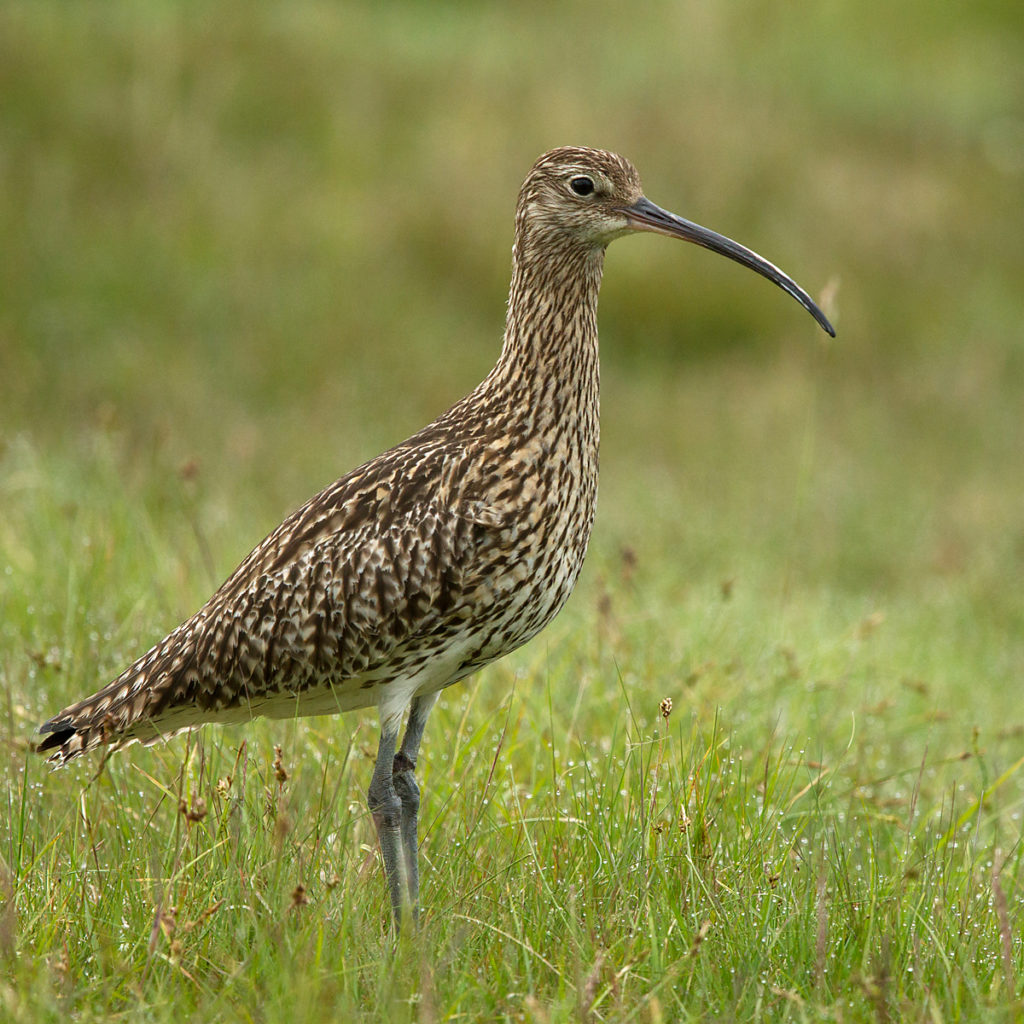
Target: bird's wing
[[326, 599]]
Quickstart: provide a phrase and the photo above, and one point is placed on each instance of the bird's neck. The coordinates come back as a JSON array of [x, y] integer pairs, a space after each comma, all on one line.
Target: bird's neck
[[549, 359]]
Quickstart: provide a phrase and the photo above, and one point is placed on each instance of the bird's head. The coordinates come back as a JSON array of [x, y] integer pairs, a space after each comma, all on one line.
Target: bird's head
[[585, 198], [579, 195]]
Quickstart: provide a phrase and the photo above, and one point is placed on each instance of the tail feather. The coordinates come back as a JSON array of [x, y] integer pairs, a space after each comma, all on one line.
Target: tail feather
[[130, 709], [110, 717]]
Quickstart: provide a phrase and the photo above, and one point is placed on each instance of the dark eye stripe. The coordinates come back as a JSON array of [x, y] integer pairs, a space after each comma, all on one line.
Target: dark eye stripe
[[582, 185]]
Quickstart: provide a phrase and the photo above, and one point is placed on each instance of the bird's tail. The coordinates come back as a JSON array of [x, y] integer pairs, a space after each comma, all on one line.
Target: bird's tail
[[124, 711]]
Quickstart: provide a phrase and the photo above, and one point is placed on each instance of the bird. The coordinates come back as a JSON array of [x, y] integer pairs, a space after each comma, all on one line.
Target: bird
[[435, 558]]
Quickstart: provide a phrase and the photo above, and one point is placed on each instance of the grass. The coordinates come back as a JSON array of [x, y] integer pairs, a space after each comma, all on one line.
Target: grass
[[248, 246]]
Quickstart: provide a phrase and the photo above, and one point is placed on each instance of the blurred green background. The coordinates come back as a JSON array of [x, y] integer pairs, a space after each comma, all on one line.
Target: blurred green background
[[247, 245]]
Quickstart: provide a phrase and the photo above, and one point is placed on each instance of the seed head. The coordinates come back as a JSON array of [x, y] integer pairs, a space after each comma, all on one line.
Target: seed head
[[194, 813], [280, 772]]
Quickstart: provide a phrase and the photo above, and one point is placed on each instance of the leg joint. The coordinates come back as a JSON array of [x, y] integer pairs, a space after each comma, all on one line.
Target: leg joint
[[384, 802], [408, 792]]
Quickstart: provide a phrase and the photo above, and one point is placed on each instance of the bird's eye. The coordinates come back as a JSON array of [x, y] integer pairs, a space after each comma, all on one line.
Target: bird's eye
[[582, 186]]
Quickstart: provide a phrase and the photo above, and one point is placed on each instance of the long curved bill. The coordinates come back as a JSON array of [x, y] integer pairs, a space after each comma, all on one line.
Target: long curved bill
[[643, 215]]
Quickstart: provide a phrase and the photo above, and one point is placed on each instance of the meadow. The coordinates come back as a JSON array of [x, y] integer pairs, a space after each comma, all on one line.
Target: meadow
[[768, 764]]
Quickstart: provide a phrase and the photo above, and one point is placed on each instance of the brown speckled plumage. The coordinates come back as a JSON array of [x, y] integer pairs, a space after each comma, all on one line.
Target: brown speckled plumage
[[436, 557]]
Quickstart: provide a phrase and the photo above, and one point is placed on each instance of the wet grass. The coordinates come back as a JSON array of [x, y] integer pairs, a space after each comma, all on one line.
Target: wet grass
[[247, 247]]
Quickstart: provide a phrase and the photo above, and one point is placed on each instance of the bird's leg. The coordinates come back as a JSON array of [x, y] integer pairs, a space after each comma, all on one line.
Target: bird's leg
[[408, 792], [386, 807]]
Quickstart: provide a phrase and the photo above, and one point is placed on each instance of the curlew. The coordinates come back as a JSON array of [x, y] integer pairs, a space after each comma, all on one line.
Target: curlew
[[440, 555]]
